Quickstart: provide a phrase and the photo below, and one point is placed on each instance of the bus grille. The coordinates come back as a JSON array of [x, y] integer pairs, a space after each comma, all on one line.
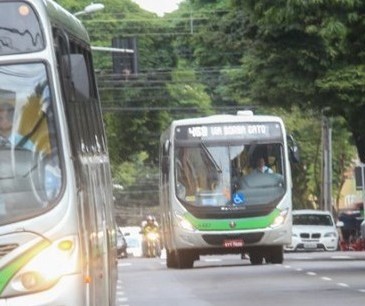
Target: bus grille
[[7, 248]]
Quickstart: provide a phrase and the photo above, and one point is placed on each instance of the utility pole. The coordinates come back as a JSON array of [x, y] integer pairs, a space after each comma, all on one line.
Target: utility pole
[[326, 192]]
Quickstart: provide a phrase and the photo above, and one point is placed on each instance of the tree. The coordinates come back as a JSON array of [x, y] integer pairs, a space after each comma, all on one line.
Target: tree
[[307, 53], [266, 54]]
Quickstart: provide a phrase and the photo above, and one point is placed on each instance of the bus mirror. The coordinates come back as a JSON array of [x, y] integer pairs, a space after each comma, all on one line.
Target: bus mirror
[[166, 148], [165, 164], [293, 149], [165, 157]]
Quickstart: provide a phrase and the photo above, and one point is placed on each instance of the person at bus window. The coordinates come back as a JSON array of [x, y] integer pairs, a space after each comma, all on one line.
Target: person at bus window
[[8, 137], [261, 166], [6, 122]]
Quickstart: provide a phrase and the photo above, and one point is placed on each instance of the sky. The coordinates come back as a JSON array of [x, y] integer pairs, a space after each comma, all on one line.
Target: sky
[[158, 6]]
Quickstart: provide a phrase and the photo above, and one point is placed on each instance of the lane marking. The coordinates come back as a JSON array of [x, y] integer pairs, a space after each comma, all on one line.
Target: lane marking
[[212, 260], [343, 285], [299, 269], [341, 257]]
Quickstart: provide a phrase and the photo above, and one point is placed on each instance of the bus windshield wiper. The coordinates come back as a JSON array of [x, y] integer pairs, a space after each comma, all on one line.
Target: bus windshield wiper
[[211, 158]]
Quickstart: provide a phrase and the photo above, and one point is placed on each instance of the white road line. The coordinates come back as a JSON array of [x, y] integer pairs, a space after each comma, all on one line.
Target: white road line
[[341, 257], [343, 285], [362, 290], [311, 273], [299, 269], [325, 278], [124, 264], [212, 259]]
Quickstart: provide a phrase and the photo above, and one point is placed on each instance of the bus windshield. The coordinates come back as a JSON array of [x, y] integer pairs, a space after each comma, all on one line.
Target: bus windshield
[[20, 31], [30, 175], [220, 175]]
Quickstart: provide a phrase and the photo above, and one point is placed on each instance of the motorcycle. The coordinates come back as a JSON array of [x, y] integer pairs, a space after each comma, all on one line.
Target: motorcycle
[[153, 248]]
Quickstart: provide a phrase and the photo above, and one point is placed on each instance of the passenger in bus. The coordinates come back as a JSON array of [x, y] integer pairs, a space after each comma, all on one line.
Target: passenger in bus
[[21, 132], [8, 137], [6, 121], [261, 166]]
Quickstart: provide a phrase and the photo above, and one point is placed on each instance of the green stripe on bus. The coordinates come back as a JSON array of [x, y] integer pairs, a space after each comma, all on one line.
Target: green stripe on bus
[[9, 271], [250, 223]]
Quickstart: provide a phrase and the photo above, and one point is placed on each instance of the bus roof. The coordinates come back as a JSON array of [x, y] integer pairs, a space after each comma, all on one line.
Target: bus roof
[[61, 18], [226, 118]]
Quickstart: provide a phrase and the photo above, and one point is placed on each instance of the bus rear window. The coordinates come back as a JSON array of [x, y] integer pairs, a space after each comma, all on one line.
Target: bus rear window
[[20, 31]]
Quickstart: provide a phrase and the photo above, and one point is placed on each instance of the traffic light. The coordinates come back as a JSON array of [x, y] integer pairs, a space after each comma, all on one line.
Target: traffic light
[[125, 63]]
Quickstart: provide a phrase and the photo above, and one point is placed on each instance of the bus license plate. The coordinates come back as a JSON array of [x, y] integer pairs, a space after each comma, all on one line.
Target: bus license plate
[[233, 243]]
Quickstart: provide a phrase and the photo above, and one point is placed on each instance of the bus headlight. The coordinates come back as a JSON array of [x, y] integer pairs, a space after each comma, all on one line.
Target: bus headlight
[[280, 219], [184, 224], [44, 269]]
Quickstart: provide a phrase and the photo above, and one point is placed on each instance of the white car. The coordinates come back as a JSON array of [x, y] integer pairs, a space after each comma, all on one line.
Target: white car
[[133, 237], [313, 230]]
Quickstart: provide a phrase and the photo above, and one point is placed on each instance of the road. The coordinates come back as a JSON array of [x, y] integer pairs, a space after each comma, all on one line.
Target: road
[[318, 278]]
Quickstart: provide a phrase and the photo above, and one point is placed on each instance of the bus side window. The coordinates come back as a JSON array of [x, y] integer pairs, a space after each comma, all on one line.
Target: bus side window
[[78, 73]]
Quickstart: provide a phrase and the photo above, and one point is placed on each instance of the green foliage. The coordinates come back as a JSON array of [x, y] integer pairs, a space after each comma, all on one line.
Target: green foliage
[[293, 58]]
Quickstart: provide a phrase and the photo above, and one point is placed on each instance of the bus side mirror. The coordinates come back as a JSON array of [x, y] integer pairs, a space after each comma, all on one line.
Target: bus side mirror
[[293, 149], [165, 157]]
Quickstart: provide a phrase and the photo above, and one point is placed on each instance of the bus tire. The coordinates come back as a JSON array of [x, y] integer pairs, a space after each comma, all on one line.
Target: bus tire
[[184, 260], [256, 257], [276, 254], [170, 259]]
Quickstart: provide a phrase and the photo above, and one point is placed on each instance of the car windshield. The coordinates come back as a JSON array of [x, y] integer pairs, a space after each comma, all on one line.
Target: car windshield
[[30, 175], [312, 219]]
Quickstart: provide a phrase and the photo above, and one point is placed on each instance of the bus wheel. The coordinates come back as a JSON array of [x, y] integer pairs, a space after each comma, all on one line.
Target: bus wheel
[[170, 259], [185, 260], [276, 255], [256, 258]]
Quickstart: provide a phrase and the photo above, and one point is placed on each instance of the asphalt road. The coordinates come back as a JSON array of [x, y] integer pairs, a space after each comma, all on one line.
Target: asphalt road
[[304, 279]]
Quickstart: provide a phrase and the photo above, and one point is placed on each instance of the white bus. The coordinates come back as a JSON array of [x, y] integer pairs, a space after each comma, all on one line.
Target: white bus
[[214, 200], [57, 230]]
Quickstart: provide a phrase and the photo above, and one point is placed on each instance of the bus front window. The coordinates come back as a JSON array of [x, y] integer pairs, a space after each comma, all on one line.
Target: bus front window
[[229, 175], [202, 175], [30, 175]]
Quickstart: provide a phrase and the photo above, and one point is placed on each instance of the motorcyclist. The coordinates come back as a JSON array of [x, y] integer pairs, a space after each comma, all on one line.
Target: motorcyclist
[[148, 226]]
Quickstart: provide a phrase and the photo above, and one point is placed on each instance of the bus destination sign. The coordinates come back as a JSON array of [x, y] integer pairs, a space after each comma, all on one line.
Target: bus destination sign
[[252, 130]]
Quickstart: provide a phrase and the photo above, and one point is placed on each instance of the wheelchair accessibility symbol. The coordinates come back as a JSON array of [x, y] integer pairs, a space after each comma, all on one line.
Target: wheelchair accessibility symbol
[[239, 198]]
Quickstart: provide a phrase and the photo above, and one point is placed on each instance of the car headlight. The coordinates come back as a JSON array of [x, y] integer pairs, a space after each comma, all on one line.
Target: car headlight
[[330, 234], [40, 267]]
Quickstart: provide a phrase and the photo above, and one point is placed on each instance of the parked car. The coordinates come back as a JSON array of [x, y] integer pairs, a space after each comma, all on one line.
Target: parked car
[[133, 237], [313, 230], [121, 244]]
